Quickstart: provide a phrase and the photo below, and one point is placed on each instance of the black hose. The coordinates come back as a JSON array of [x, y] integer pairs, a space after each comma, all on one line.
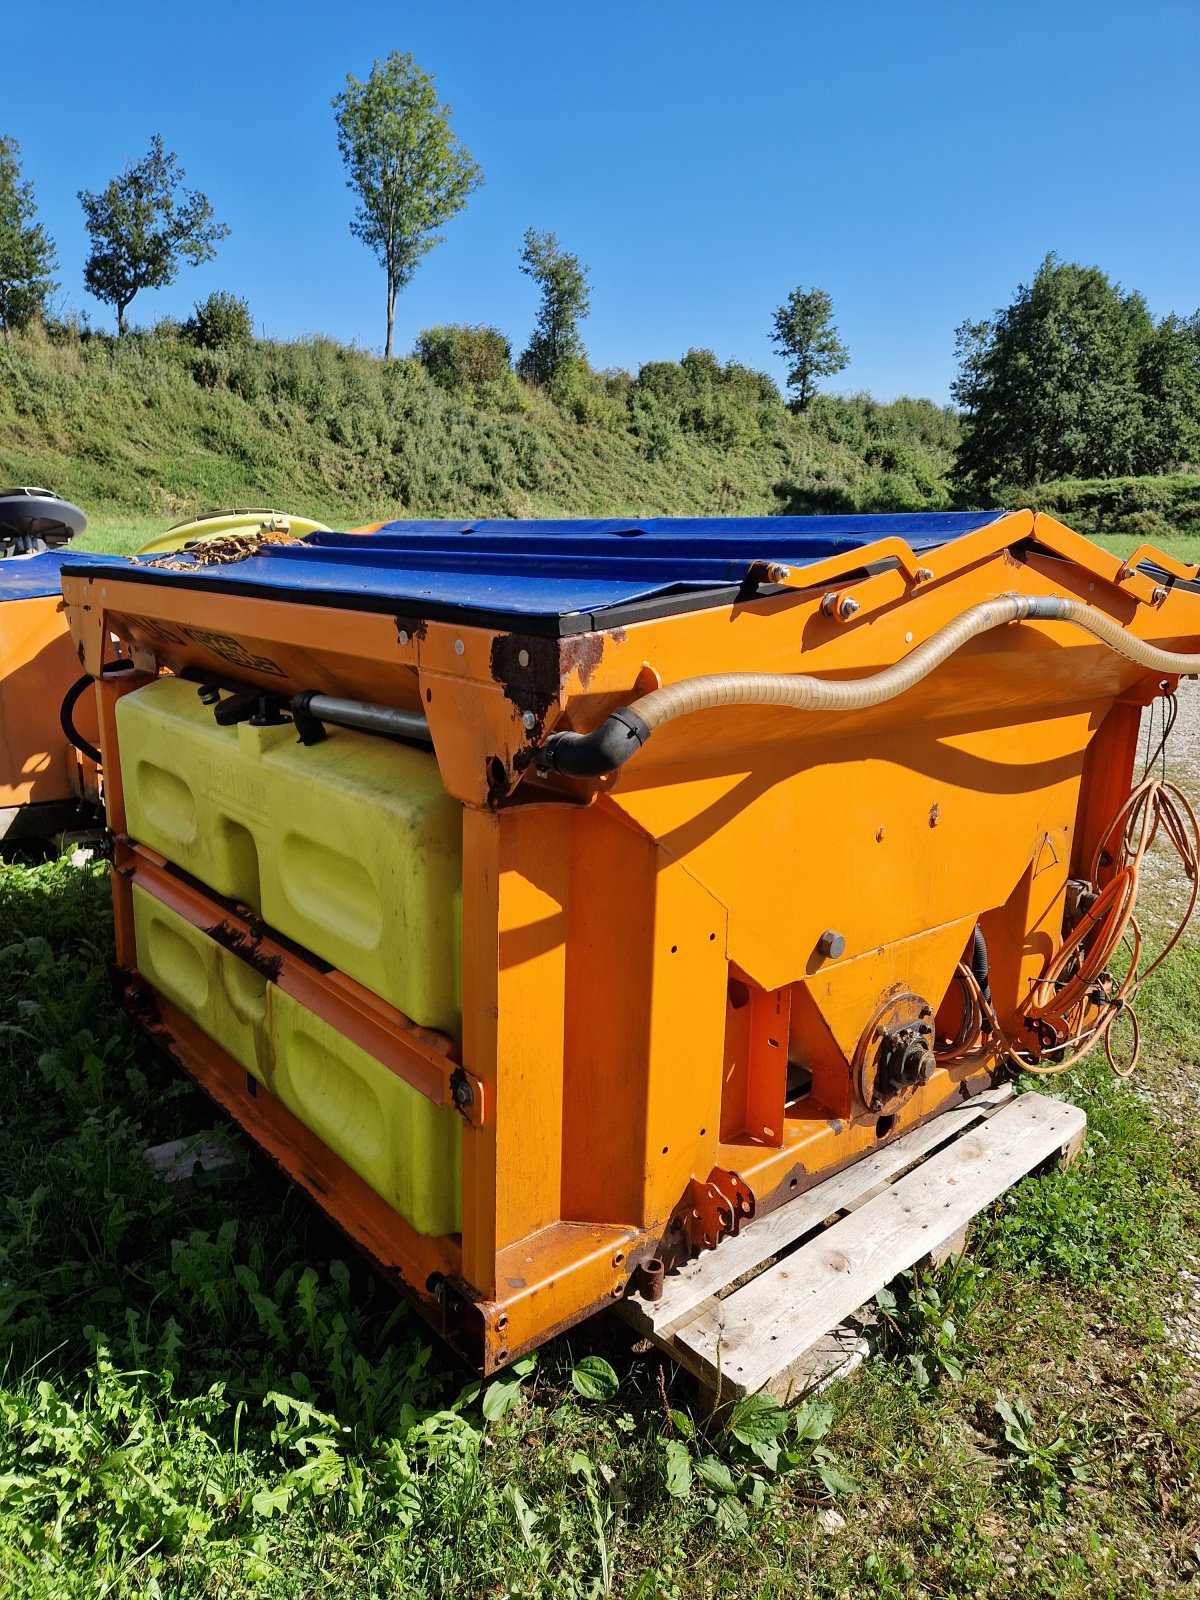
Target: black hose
[[66, 723], [591, 755], [982, 974]]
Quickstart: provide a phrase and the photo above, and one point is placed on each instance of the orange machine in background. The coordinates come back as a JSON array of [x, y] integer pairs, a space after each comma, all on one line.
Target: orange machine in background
[[43, 780], [549, 898]]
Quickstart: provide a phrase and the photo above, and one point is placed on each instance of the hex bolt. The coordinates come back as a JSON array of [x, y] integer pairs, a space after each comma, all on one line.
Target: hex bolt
[[462, 1091], [1158, 596], [848, 607], [831, 944], [829, 603], [923, 574]]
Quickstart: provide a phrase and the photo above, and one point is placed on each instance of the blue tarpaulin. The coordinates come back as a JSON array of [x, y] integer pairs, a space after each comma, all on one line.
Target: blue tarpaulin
[[561, 574]]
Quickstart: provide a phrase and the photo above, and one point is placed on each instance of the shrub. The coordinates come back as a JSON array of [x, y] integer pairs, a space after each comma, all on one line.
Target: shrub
[[461, 358], [222, 322]]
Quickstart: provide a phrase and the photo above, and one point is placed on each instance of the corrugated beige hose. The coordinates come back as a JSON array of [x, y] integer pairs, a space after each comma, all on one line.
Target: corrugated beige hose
[[622, 734]]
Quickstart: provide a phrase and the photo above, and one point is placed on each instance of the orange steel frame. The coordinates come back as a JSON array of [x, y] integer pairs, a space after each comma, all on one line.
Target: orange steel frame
[[639, 954], [38, 665]]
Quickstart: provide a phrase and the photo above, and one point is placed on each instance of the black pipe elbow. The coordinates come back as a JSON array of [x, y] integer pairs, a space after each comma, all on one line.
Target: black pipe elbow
[[592, 755]]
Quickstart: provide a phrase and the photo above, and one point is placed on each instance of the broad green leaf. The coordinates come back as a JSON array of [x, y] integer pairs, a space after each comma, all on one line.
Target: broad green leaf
[[679, 1469], [731, 1518], [813, 1420], [595, 1379], [757, 1417], [499, 1399], [715, 1474], [268, 1501]]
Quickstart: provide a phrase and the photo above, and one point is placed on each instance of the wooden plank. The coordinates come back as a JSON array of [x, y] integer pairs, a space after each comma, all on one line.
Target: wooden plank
[[765, 1237], [176, 1161], [757, 1333]]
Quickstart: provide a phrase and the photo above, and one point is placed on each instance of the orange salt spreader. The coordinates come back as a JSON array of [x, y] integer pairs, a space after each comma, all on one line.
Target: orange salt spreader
[[44, 782], [549, 898]]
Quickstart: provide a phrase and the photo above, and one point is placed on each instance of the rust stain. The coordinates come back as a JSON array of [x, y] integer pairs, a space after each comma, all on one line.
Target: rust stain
[[414, 627], [241, 944]]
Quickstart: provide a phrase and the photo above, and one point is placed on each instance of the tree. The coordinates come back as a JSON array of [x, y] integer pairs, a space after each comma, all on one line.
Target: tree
[[1169, 379], [566, 300], [26, 250], [407, 168], [140, 225], [1050, 385], [806, 336]]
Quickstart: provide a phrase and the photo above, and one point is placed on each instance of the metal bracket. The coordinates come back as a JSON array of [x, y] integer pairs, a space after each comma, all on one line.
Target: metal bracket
[[716, 1208], [467, 1096]]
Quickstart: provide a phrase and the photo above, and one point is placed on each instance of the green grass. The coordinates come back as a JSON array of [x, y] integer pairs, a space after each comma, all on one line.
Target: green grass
[[211, 1395]]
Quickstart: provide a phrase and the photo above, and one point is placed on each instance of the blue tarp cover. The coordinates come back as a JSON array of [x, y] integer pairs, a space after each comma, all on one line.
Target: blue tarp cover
[[559, 570], [35, 577]]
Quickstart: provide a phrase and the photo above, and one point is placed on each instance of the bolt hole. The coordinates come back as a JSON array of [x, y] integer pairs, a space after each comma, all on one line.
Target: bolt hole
[[502, 1321], [793, 1183], [428, 696], [703, 1131], [499, 775], [774, 1043], [884, 1126], [434, 1282], [502, 1355], [618, 1258], [674, 949], [711, 937], [664, 1149]]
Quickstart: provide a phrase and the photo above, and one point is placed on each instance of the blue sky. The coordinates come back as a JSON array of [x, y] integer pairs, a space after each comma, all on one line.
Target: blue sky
[[916, 160]]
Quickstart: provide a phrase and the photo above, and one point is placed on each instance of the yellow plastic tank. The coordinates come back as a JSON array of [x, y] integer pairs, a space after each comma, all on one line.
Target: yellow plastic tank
[[349, 847], [404, 1146]]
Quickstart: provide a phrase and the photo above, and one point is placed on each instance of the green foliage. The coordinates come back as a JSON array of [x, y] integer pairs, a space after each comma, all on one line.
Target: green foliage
[[594, 1378], [222, 322], [1144, 509], [140, 225], [732, 406], [26, 249], [410, 172], [1114, 1212], [555, 345], [465, 360], [923, 1315], [806, 336], [1042, 1469], [1073, 379], [1169, 380]]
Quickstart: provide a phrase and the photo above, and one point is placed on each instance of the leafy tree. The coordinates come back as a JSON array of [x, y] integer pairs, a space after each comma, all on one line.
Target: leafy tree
[[26, 250], [566, 300], [407, 168], [140, 225], [1169, 379], [806, 336], [1050, 384]]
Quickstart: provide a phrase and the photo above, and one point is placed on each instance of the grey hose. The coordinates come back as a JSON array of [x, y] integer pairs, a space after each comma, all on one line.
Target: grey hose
[[622, 734]]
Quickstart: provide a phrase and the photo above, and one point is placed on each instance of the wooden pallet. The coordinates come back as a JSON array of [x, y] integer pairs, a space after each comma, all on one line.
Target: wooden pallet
[[768, 1308]]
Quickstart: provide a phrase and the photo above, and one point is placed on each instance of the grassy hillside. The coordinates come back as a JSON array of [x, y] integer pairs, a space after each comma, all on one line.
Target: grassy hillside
[[153, 428], [150, 429]]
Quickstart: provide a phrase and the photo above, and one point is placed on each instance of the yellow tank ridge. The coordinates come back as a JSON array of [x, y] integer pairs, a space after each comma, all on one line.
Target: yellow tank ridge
[[350, 848], [398, 1141]]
